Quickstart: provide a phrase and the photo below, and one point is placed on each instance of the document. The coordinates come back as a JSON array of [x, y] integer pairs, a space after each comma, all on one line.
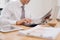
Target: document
[[42, 32], [9, 28]]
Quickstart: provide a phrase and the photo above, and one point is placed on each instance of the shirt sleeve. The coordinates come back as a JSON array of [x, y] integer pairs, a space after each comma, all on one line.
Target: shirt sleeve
[[4, 21], [5, 17]]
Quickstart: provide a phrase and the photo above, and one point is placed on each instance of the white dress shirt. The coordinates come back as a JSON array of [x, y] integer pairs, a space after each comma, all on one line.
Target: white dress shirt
[[12, 12]]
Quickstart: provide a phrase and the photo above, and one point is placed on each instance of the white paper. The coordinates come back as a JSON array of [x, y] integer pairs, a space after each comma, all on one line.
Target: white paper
[[8, 28], [43, 32]]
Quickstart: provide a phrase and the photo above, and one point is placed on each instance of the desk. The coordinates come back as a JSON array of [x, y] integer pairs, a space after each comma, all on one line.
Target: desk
[[15, 36]]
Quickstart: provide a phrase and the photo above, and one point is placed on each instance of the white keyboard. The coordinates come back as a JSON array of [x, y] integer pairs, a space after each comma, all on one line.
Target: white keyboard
[[42, 32]]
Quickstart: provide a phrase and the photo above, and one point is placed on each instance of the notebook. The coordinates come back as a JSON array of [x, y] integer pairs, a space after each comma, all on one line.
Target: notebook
[[42, 32]]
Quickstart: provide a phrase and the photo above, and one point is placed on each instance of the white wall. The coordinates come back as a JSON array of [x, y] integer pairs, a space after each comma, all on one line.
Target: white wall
[[41, 7], [58, 2], [54, 8]]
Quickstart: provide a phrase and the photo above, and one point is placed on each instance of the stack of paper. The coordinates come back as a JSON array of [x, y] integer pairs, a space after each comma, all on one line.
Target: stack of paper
[[8, 28], [42, 32]]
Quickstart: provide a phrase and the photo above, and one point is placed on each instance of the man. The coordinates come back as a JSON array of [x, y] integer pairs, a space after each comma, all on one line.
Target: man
[[12, 13], [8, 16]]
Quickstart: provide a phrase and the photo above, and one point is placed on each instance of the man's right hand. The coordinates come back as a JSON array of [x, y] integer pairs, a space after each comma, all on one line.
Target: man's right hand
[[22, 21]]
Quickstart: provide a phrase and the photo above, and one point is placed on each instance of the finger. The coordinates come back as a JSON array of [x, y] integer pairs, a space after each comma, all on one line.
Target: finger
[[25, 22], [29, 20]]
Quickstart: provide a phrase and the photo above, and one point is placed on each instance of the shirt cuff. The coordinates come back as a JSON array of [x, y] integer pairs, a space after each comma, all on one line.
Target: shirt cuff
[[12, 22]]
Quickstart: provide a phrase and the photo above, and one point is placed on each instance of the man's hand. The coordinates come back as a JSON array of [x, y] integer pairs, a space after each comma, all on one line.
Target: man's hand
[[22, 21]]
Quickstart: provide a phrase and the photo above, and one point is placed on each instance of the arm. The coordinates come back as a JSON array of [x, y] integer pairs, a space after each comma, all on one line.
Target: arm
[[5, 17]]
